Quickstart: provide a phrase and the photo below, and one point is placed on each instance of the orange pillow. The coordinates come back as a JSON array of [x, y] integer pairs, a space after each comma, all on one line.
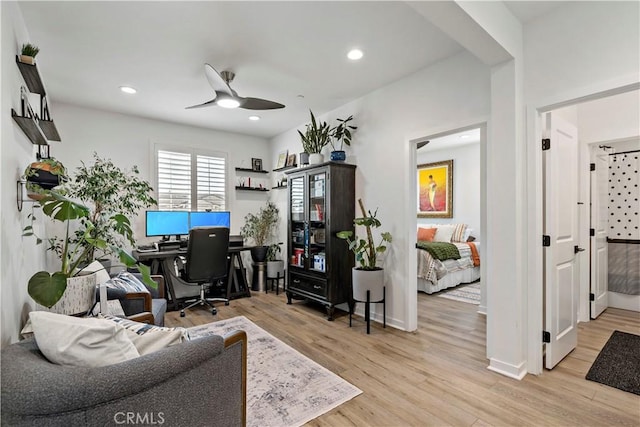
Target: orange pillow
[[426, 234]]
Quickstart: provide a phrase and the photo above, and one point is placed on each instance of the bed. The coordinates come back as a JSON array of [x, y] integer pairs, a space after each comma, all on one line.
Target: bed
[[459, 263]]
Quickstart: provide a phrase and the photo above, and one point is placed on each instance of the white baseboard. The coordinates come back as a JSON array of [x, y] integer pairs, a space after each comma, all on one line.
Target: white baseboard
[[517, 372], [624, 301]]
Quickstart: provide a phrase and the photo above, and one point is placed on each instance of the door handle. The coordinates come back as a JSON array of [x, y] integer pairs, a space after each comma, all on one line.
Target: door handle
[[577, 249]]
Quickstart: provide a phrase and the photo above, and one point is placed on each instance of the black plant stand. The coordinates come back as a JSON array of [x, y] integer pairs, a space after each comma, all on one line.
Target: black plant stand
[[367, 309]]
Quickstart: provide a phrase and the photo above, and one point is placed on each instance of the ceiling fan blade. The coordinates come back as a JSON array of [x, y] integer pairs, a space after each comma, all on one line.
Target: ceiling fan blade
[[204, 104], [259, 104], [216, 81]]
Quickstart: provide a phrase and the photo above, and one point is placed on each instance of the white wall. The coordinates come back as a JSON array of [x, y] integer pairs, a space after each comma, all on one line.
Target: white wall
[[466, 184], [423, 103], [129, 141], [19, 256]]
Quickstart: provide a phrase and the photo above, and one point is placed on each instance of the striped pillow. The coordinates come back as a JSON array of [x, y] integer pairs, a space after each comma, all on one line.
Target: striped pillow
[[458, 233]]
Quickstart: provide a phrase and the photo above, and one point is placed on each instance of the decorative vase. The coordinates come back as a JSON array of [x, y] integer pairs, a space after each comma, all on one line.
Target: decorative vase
[[78, 297], [304, 159], [275, 267], [315, 158], [338, 156], [368, 280], [259, 253], [25, 59]]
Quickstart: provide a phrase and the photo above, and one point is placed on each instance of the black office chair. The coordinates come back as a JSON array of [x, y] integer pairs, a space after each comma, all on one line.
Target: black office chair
[[206, 263]]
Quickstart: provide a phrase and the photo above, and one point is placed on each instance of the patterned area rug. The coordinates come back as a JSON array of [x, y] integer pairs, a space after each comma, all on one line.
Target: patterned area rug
[[284, 387], [466, 293]]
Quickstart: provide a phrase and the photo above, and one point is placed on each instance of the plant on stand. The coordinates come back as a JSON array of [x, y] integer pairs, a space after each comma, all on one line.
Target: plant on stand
[[45, 174], [341, 134], [317, 135], [274, 264], [368, 278], [259, 228], [48, 288]]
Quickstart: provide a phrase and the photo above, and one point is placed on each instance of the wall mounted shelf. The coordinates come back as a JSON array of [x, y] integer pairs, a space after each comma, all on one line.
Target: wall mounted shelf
[[251, 188], [286, 168], [250, 170], [30, 128], [31, 77], [279, 187]]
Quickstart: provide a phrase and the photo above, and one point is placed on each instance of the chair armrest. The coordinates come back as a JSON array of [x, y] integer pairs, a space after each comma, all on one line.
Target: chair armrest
[[234, 338], [159, 279], [144, 296], [144, 317]]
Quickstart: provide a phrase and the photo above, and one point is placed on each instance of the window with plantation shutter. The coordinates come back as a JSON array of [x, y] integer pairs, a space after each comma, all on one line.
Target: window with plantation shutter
[[191, 180]]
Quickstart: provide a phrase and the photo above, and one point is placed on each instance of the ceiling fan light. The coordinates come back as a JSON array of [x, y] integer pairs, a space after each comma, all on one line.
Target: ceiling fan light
[[228, 103], [355, 54]]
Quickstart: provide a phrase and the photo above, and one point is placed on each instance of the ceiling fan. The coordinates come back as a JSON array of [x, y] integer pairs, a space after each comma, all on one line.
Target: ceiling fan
[[228, 98]]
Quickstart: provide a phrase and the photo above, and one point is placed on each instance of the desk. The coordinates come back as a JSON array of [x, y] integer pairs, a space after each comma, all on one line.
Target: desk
[[162, 263]]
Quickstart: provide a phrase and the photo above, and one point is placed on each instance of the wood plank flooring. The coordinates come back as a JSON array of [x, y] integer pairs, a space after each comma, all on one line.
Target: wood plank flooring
[[438, 376]]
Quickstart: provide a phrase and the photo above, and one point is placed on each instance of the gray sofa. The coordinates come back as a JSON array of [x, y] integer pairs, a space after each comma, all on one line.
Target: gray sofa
[[197, 383]]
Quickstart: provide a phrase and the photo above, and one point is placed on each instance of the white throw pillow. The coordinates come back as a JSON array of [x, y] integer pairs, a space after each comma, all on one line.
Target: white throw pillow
[[149, 338], [75, 341], [102, 275], [444, 233], [466, 234]]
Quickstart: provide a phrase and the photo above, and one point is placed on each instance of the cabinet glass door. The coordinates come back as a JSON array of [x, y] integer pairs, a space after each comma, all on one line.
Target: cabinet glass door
[[298, 222], [316, 239]]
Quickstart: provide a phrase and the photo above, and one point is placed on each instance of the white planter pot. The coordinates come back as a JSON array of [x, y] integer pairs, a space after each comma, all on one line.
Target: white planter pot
[[316, 158], [368, 280], [275, 267], [78, 297]]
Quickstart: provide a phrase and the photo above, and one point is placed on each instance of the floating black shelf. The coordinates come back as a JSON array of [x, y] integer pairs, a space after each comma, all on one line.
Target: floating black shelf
[[31, 77], [286, 168], [49, 129], [279, 187], [251, 188], [250, 170], [30, 128]]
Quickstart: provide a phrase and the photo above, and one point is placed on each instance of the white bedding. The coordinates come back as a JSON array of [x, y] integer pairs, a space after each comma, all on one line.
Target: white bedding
[[435, 275]]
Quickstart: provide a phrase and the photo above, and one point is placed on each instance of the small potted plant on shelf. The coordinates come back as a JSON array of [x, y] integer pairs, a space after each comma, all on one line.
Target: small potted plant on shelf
[[28, 53], [341, 134], [317, 135], [45, 174], [259, 227], [275, 266], [367, 275]]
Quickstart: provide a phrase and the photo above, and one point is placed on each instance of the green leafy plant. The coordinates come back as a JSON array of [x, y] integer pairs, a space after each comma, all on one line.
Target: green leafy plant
[[114, 193], [29, 49], [38, 175], [366, 251], [47, 288], [273, 251], [261, 226], [341, 133], [317, 135]]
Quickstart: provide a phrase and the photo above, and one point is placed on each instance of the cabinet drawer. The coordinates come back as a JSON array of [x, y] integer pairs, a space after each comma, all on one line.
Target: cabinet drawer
[[316, 287]]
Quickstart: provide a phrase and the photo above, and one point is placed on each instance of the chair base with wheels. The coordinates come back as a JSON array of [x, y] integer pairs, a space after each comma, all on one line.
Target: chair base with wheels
[[202, 300]]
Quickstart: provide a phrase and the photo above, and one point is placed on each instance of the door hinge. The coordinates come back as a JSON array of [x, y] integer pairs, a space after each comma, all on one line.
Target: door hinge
[[592, 232], [592, 297], [546, 336], [546, 144], [546, 240], [592, 167]]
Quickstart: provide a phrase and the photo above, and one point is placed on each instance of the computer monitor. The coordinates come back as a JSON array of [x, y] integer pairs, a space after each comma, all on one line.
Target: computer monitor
[[167, 223], [210, 219]]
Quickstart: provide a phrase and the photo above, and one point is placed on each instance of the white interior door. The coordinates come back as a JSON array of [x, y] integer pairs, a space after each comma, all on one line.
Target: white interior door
[[561, 225], [599, 221]]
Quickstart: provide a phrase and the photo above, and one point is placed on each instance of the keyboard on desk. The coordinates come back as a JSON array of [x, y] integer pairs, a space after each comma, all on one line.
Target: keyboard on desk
[[148, 248]]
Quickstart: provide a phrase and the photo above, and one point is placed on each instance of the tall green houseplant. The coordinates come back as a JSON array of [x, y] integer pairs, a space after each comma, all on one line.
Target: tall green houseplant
[[111, 191], [259, 228]]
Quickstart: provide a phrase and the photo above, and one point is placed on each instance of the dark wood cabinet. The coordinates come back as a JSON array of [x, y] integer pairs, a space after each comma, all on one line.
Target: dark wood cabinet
[[321, 203]]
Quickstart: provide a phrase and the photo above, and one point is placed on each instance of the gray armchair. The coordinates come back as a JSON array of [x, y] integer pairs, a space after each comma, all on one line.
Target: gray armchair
[[197, 383]]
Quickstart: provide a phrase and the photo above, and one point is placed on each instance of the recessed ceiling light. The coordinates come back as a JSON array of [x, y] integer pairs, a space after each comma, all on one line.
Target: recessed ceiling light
[[128, 89], [254, 118], [355, 54], [464, 136]]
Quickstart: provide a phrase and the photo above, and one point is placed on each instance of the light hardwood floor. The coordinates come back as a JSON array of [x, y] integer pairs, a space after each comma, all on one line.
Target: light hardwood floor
[[438, 375]]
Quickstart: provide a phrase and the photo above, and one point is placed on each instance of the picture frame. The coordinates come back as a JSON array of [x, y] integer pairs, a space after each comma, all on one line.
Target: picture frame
[[256, 164], [283, 156], [291, 160], [435, 189]]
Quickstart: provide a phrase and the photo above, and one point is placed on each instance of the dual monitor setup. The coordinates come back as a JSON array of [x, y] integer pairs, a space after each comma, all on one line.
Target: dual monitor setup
[[178, 223]]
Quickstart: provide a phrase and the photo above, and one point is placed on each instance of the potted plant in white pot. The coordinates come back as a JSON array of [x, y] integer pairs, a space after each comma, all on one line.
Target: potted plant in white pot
[[317, 135], [341, 134], [367, 276], [275, 266], [259, 228], [48, 288]]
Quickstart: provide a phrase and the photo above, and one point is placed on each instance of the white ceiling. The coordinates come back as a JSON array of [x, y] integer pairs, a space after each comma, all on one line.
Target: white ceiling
[[290, 52], [455, 140]]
